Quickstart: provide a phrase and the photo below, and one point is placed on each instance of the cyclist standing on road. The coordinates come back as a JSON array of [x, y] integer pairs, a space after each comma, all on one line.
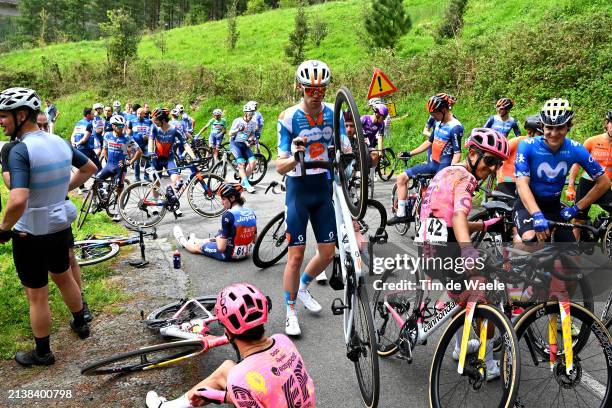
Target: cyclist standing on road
[[259, 120], [52, 115], [117, 108], [187, 122], [83, 140], [444, 149], [40, 179], [306, 127], [218, 127], [140, 129], [238, 233], [178, 123], [108, 113], [98, 127], [271, 372], [241, 134], [373, 127], [503, 122], [431, 122], [129, 113]]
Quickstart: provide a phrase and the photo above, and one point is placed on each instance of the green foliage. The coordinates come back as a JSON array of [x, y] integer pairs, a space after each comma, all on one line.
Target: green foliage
[[232, 25], [122, 41], [385, 22], [160, 42], [296, 49], [288, 3], [453, 20], [256, 6], [320, 30]]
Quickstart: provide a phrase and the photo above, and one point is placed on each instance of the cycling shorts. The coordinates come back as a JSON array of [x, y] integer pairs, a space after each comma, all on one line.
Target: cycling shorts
[[215, 140], [210, 250], [70, 239], [584, 186], [112, 170], [167, 163], [551, 210], [242, 152], [308, 198], [507, 187], [431, 167], [50, 255]]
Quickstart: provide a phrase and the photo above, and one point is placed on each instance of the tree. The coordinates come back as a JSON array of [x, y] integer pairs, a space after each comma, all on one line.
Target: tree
[[453, 20], [295, 50], [122, 39], [256, 6], [319, 31], [232, 25], [385, 22]]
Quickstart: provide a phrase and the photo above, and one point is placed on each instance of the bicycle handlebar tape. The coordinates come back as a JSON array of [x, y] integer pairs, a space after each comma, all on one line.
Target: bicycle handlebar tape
[[210, 395], [216, 341]]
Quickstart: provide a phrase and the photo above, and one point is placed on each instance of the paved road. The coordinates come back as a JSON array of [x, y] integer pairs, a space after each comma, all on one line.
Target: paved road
[[321, 343]]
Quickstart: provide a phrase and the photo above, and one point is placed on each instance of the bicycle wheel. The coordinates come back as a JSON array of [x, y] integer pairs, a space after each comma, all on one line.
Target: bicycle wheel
[[163, 316], [590, 382], [112, 209], [142, 204], [271, 245], [352, 162], [85, 208], [259, 171], [606, 313], [145, 358], [362, 346], [264, 150], [220, 169], [448, 388], [374, 221], [386, 164], [202, 194], [402, 227], [93, 251]]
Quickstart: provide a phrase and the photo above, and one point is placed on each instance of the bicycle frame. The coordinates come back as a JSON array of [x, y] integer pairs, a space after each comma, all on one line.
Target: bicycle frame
[[179, 332]]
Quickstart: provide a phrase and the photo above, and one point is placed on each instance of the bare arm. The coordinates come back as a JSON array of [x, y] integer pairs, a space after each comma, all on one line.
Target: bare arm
[[602, 184], [526, 195], [422, 148], [456, 158], [221, 243], [82, 175], [284, 166], [573, 174]]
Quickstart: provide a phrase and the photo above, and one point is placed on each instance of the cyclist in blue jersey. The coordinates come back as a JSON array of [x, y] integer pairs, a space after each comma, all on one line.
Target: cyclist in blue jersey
[[83, 140], [503, 123], [108, 114], [218, 128], [98, 127], [306, 127], [542, 163], [129, 114], [178, 123], [431, 122], [373, 127], [187, 121], [259, 120], [242, 134], [117, 108], [139, 130], [238, 233], [443, 149]]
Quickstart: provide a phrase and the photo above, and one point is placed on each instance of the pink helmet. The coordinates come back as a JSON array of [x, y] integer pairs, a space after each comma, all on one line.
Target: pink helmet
[[488, 140], [241, 307]]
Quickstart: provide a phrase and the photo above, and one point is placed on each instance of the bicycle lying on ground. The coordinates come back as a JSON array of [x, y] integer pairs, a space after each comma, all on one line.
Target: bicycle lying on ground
[[95, 249]]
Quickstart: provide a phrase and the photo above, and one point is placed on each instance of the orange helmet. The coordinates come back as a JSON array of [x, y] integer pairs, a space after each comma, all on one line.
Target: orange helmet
[[505, 103], [436, 104]]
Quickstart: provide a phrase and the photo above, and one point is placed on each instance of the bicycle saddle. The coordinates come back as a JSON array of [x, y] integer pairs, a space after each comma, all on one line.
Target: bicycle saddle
[[497, 205], [501, 196]]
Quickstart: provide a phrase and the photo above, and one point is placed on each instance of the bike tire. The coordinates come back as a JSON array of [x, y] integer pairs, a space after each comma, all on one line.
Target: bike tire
[[273, 233], [166, 311], [93, 251], [112, 208], [145, 358], [220, 169], [375, 218], [85, 208], [133, 209], [386, 164], [202, 194], [402, 227], [443, 362], [260, 169], [355, 161], [162, 316]]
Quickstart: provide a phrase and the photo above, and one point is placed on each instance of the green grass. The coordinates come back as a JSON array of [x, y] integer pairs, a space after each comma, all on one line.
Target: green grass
[[101, 293]]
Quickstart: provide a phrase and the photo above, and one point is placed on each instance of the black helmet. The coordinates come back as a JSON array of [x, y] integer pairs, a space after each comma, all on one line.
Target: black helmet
[[609, 116], [534, 123], [557, 112], [436, 104], [160, 113], [228, 190]]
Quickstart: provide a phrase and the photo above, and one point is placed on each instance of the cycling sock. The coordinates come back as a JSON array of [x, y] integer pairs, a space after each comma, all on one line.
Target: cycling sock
[[79, 317], [305, 280], [401, 208], [289, 301], [180, 402], [42, 346]]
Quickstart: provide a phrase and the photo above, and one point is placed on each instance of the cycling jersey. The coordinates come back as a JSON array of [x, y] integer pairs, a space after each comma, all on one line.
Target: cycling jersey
[[140, 130], [118, 147], [177, 124], [600, 149], [258, 118], [504, 127], [80, 129], [216, 127], [317, 133], [371, 130], [242, 129], [272, 378], [446, 141], [239, 227], [547, 170], [163, 141], [505, 174], [187, 123], [107, 125], [98, 127], [129, 117]]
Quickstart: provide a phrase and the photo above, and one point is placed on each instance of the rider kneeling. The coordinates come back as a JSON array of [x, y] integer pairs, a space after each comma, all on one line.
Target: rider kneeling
[[238, 232]]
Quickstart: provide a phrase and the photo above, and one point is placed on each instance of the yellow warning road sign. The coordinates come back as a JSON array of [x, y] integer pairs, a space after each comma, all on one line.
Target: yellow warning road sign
[[380, 85], [391, 107]]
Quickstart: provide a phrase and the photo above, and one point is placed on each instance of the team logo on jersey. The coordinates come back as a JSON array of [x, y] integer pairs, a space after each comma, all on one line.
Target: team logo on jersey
[[316, 150], [545, 168], [531, 140], [520, 158], [256, 382]]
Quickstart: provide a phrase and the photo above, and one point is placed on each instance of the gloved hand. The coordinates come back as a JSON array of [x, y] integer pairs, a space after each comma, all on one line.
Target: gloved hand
[[569, 212], [570, 193], [121, 164], [540, 223], [488, 223], [474, 292], [5, 236], [404, 155]]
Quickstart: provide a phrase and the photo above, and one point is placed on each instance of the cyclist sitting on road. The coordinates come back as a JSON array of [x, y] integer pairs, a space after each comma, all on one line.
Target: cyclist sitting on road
[[140, 129], [306, 127], [218, 127], [373, 127], [600, 148], [503, 122], [446, 206], [444, 149], [238, 232], [271, 372], [242, 133], [506, 181], [431, 122], [542, 162]]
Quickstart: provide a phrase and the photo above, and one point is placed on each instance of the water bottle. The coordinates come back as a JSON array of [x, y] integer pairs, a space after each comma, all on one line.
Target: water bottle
[[169, 193], [179, 185], [176, 259]]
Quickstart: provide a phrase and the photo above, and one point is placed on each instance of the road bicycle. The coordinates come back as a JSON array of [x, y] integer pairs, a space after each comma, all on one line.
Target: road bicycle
[[257, 147], [94, 249], [417, 187], [144, 204], [102, 196], [386, 163], [228, 162]]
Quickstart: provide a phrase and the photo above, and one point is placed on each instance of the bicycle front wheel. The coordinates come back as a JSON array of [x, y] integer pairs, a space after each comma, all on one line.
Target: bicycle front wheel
[[402, 227], [386, 164], [142, 204], [85, 208], [93, 251], [145, 358], [264, 150], [271, 245], [477, 384], [259, 171], [202, 194], [375, 218]]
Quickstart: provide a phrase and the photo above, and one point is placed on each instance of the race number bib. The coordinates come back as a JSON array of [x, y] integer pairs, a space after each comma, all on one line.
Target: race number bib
[[241, 251], [433, 230]]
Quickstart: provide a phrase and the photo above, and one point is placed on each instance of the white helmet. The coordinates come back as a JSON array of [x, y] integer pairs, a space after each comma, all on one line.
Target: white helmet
[[174, 112], [14, 98], [313, 73], [375, 101], [217, 112], [116, 104], [97, 106], [117, 120], [179, 107], [248, 108], [254, 103]]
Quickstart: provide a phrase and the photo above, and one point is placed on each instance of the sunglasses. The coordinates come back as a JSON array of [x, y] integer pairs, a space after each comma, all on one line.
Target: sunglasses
[[315, 91], [120, 126], [492, 161]]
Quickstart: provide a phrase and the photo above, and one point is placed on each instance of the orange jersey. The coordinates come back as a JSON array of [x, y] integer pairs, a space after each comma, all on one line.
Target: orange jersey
[[505, 173], [600, 149]]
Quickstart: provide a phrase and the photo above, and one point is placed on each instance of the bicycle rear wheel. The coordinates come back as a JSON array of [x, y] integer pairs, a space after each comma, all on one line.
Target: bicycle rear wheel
[[142, 204], [145, 358], [220, 169], [374, 220], [202, 194], [259, 171], [271, 245], [85, 208], [263, 150], [93, 251], [386, 164], [163, 316]]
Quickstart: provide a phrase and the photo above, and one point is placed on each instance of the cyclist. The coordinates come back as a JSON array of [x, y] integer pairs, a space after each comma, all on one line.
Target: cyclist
[[376, 101], [258, 118], [108, 113], [82, 139], [129, 113], [503, 122], [542, 162], [52, 115], [600, 148], [447, 204], [140, 129], [147, 110], [187, 122], [271, 372], [306, 127], [178, 123], [98, 127], [238, 233], [373, 127], [444, 149], [218, 127], [506, 181], [241, 134], [117, 108], [431, 122]]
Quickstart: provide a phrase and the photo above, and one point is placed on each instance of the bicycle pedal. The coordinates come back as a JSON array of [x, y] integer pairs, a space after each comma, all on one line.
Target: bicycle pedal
[[338, 309]]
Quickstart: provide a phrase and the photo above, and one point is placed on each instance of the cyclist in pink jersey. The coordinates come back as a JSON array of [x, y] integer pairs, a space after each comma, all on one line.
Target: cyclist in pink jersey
[[271, 373]]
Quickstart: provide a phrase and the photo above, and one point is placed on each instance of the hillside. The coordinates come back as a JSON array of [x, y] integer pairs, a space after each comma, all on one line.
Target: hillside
[[523, 49]]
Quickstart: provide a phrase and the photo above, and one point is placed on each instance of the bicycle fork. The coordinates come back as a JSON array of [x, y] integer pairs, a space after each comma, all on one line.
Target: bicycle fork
[[566, 332]]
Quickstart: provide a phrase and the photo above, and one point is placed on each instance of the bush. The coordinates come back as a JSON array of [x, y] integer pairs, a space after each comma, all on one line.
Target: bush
[[123, 36], [232, 25], [256, 6], [453, 20], [386, 22], [319, 31], [295, 50]]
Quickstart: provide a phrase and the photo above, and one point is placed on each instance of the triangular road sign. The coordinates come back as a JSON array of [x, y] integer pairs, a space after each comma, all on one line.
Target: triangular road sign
[[380, 85]]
